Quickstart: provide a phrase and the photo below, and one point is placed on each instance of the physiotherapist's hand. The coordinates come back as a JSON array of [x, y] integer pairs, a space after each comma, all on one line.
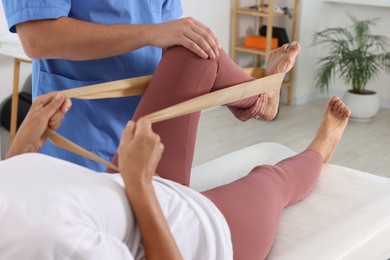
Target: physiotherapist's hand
[[186, 32], [139, 153], [254, 111], [46, 111]]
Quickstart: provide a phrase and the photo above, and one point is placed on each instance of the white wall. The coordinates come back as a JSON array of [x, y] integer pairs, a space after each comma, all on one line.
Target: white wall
[[315, 16], [215, 14]]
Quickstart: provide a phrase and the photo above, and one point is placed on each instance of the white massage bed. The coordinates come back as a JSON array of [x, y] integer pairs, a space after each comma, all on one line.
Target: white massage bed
[[347, 215]]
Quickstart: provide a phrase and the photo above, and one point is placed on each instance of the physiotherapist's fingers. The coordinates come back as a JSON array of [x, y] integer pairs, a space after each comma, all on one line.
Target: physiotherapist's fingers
[[202, 38], [194, 47], [188, 33], [209, 36], [197, 42]]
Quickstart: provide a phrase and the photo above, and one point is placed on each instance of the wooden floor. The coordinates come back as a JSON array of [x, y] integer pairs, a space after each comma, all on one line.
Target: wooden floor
[[365, 145]]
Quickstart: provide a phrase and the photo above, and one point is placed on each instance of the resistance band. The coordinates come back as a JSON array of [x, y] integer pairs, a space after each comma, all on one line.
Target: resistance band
[[137, 86]]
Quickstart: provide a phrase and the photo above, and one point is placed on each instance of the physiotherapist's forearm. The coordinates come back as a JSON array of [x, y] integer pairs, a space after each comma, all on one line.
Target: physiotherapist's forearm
[[67, 38]]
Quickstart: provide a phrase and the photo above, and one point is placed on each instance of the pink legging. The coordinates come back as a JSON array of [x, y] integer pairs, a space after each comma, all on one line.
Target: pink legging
[[180, 76], [251, 205]]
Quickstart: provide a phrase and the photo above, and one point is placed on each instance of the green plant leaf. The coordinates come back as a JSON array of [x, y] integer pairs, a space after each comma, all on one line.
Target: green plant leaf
[[353, 53]]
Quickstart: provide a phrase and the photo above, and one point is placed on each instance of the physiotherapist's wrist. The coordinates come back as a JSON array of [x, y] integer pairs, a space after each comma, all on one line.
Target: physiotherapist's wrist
[[149, 34]]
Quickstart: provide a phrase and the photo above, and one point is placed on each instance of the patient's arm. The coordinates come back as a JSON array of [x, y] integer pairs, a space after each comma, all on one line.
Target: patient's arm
[[139, 152], [46, 111]]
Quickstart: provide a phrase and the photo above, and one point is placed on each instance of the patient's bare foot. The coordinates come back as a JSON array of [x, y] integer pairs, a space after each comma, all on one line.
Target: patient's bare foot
[[280, 60], [332, 127], [267, 104]]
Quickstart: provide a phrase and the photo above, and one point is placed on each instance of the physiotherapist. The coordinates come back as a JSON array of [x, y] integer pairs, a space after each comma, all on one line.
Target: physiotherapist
[[79, 43]]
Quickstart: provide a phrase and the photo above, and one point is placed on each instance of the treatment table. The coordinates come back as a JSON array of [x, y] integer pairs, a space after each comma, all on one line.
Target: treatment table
[[346, 216]]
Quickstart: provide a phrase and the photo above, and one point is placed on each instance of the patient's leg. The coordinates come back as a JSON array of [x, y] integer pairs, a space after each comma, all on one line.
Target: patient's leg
[[253, 204], [180, 76]]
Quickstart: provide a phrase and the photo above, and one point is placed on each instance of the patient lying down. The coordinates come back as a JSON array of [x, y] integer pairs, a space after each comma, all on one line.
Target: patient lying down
[[52, 209]]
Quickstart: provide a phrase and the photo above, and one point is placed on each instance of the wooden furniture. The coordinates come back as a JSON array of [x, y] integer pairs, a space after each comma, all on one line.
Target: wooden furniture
[[11, 47], [15, 97], [264, 14]]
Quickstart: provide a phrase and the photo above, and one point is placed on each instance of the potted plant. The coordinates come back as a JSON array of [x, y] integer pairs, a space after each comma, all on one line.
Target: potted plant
[[356, 56]]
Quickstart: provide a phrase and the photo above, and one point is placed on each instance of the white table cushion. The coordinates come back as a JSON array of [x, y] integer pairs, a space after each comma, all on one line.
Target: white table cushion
[[347, 215]]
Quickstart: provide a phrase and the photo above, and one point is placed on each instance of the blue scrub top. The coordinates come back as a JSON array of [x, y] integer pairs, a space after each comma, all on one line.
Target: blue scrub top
[[97, 124]]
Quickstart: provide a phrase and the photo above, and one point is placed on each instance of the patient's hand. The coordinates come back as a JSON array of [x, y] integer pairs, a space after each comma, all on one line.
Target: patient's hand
[[46, 111], [139, 152]]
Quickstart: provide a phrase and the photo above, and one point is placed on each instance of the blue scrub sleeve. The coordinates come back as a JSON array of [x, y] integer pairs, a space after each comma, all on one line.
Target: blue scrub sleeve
[[171, 10], [26, 10]]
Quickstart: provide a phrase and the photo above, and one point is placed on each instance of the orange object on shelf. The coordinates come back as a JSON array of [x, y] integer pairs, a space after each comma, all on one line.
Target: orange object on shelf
[[260, 42]]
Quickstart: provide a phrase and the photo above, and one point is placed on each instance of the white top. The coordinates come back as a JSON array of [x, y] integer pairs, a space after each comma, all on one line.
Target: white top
[[52, 209]]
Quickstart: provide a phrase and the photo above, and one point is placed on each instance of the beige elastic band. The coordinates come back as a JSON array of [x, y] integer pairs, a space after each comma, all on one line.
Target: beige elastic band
[[68, 145], [136, 86]]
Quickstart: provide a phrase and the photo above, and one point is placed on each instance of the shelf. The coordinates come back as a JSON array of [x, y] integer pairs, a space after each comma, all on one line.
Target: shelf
[[379, 3], [242, 48], [253, 12], [265, 17], [286, 84]]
